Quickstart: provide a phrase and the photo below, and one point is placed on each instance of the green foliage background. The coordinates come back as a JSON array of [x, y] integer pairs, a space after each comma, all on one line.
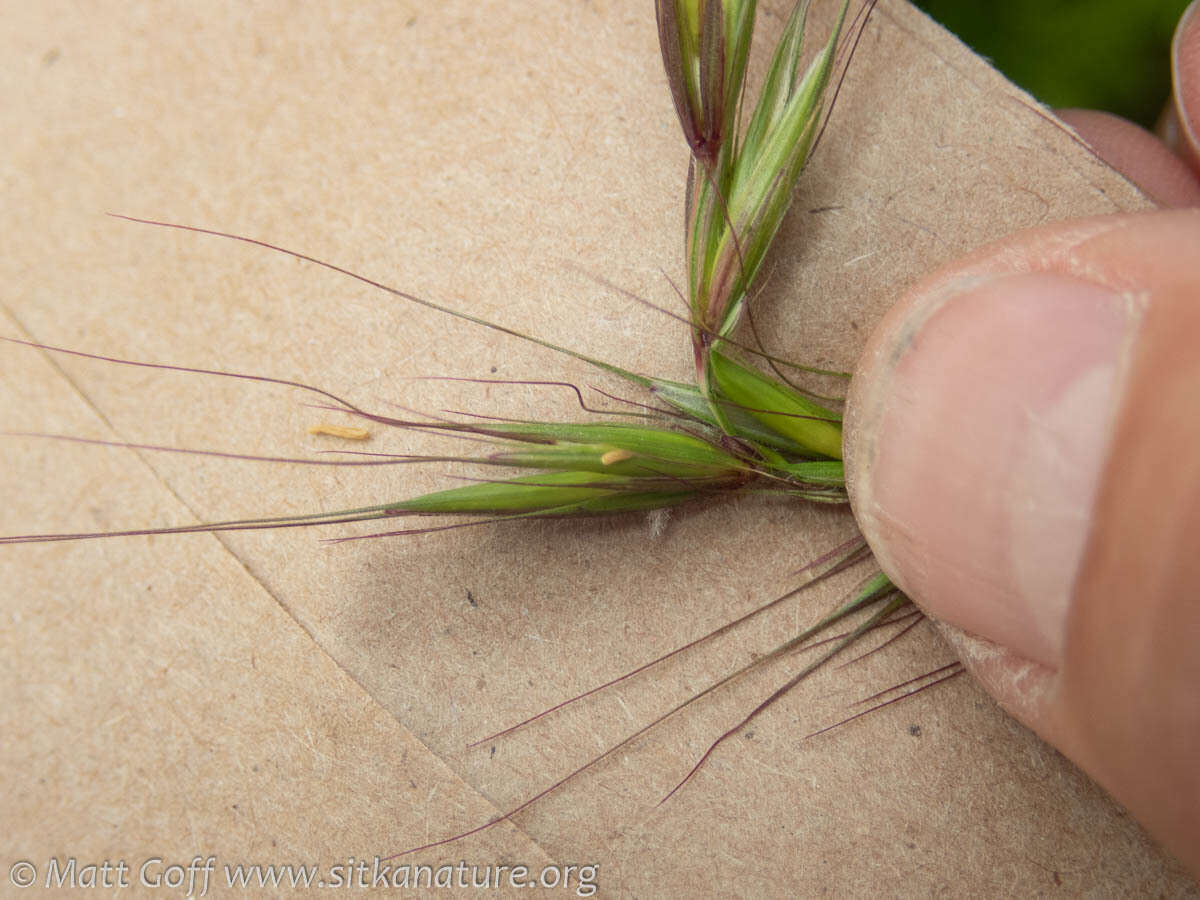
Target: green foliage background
[[1102, 54]]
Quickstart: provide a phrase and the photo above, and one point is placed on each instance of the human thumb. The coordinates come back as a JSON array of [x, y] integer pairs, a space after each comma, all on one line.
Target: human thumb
[[1023, 456]]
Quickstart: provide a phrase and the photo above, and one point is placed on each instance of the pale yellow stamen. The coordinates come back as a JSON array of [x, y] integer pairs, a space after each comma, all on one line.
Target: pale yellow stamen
[[616, 456], [340, 431]]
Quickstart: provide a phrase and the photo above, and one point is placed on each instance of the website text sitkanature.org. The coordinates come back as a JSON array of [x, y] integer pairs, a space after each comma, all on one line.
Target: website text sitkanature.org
[[196, 877]]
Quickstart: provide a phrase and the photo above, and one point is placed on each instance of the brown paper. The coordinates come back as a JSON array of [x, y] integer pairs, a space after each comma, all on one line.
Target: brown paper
[[264, 697]]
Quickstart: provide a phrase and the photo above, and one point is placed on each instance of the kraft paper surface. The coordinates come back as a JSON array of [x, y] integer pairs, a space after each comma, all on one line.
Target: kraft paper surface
[[272, 698]]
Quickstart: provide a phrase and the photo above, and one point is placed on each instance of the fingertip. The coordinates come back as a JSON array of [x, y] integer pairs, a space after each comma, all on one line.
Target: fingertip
[[1183, 134], [1139, 155], [979, 428], [980, 415]]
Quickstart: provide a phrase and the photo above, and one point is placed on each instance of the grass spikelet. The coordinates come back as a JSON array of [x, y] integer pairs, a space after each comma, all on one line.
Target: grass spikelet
[[551, 494], [812, 427]]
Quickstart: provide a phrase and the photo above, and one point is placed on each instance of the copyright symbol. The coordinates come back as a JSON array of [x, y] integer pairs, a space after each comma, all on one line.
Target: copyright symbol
[[23, 873]]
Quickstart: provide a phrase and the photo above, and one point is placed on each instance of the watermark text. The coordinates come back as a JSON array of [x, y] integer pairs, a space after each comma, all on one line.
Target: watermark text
[[202, 873]]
